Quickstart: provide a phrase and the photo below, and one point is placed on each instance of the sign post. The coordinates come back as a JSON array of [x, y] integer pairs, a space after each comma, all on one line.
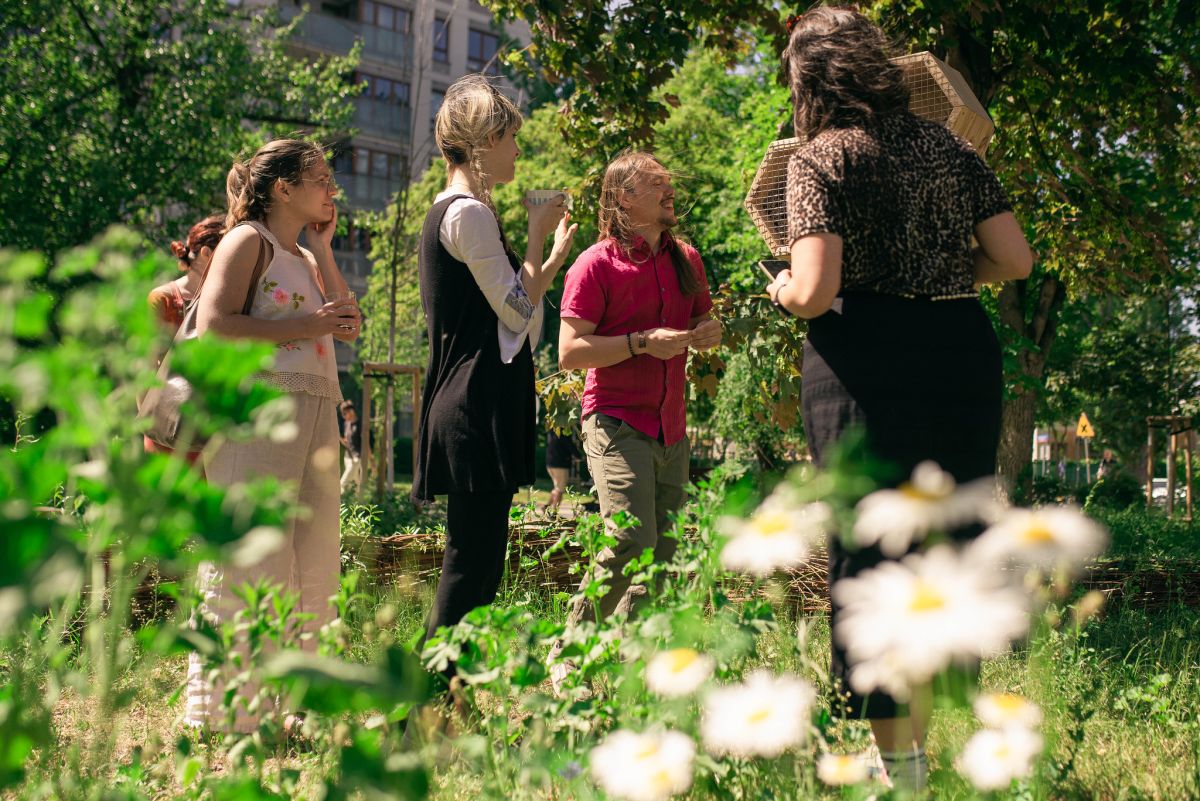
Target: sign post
[[1085, 432]]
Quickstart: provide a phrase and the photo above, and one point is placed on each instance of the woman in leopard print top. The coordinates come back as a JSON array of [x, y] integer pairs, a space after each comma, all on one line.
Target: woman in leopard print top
[[882, 207]]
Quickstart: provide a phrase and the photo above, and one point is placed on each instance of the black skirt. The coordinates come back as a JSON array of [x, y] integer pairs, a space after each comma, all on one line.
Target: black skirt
[[924, 380]]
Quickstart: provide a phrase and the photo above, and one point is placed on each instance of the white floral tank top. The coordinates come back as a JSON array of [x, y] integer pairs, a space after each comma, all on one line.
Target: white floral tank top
[[289, 288]]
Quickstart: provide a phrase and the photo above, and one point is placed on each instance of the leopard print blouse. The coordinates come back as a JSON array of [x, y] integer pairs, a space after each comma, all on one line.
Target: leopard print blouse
[[904, 195]]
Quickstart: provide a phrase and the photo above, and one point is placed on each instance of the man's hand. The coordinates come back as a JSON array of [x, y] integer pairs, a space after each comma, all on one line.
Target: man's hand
[[667, 343], [706, 335]]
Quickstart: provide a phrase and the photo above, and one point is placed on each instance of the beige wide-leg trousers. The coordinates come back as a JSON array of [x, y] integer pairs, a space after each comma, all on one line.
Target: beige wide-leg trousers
[[308, 561]]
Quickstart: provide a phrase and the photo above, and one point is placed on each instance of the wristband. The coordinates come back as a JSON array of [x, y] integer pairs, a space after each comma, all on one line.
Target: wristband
[[629, 343], [775, 300]]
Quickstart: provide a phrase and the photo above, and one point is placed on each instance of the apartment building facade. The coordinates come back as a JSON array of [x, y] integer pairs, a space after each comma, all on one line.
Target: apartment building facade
[[412, 50]]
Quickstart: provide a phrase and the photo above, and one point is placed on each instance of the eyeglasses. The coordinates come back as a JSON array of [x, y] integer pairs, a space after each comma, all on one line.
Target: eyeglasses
[[328, 185]]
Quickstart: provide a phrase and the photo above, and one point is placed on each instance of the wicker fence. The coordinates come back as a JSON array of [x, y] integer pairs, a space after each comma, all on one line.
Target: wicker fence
[[407, 558]]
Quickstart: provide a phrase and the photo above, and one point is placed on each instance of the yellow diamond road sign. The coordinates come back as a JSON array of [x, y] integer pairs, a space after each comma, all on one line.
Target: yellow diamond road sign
[[1084, 429]]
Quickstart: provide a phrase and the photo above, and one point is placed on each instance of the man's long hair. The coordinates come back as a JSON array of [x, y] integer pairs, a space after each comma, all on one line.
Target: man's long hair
[[621, 177]]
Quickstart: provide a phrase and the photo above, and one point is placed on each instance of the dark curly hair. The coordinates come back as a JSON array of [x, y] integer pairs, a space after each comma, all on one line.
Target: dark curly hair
[[837, 66], [206, 233]]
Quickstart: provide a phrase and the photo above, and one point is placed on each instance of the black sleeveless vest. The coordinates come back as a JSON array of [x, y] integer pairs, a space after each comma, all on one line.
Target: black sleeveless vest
[[477, 423]]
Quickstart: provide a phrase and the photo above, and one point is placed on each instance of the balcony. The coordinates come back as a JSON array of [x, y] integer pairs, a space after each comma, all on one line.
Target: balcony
[[337, 35], [368, 191], [390, 120]]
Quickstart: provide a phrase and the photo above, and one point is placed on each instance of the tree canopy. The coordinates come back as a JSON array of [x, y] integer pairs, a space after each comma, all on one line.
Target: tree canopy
[[132, 111], [1095, 105]]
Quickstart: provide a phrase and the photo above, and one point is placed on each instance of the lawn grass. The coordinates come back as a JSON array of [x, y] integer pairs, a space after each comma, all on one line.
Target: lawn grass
[[1121, 693]]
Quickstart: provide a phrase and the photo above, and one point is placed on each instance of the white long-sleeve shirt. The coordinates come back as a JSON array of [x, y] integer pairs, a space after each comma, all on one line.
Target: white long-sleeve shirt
[[470, 234]]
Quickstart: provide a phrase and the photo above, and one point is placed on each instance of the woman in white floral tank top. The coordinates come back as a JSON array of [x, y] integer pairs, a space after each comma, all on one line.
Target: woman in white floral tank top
[[284, 190]]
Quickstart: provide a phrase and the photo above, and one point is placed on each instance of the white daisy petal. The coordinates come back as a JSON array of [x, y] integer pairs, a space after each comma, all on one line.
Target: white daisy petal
[[992, 758], [1050, 537], [643, 766], [904, 622], [1001, 710], [842, 769], [896, 518], [777, 536], [678, 672], [764, 716]]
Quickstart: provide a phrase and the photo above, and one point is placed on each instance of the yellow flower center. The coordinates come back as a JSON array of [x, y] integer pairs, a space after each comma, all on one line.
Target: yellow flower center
[[925, 598], [680, 659], [759, 715], [771, 524], [1037, 533], [648, 750], [660, 780], [1002, 752], [1009, 703], [842, 765], [910, 490]]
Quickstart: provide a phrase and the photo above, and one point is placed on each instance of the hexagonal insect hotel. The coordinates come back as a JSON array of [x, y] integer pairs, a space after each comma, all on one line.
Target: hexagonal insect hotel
[[937, 92]]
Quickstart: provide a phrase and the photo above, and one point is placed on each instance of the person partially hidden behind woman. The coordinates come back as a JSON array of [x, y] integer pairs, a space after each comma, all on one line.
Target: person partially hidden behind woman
[[171, 299], [285, 189], [882, 207]]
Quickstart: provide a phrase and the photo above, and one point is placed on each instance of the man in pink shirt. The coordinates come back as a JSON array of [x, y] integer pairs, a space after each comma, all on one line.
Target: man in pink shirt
[[634, 303]]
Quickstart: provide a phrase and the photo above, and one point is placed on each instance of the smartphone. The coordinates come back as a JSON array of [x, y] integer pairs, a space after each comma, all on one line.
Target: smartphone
[[773, 267]]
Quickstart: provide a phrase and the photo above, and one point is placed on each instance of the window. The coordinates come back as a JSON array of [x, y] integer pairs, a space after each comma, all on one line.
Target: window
[[377, 163], [441, 40], [357, 238], [436, 96], [388, 17], [385, 90], [481, 51]]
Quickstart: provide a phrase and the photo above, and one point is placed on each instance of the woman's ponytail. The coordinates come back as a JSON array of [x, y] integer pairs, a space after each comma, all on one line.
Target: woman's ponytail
[[238, 194]]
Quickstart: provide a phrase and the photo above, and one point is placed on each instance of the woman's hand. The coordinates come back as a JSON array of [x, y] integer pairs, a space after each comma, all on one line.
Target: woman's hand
[[667, 343], [321, 233], [338, 317], [544, 217], [781, 280], [564, 237]]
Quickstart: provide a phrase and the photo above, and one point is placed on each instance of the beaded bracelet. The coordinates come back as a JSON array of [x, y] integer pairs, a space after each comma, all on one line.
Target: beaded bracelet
[[629, 342]]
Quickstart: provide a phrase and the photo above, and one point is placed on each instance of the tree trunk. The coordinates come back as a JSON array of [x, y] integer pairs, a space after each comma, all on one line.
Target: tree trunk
[[1030, 310]]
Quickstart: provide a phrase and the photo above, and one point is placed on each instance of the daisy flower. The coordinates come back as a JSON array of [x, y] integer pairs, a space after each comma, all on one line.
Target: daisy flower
[[645, 766], [931, 501], [678, 672], [1002, 710], [840, 769], [776, 536], [992, 758], [904, 622], [1050, 537], [764, 716]]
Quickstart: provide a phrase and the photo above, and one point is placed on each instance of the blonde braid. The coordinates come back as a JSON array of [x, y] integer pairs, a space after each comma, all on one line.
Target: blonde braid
[[473, 112]]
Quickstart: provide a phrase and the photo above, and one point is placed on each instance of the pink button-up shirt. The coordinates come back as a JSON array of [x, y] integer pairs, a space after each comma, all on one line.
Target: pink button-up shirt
[[629, 293]]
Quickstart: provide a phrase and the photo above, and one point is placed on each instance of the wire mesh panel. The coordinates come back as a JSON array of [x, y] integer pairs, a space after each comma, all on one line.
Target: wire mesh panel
[[937, 92]]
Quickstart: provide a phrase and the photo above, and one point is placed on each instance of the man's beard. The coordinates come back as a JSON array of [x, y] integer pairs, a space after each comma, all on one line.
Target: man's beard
[[668, 220]]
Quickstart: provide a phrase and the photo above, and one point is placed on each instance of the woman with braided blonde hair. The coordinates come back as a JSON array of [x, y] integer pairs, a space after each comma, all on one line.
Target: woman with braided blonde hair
[[483, 310]]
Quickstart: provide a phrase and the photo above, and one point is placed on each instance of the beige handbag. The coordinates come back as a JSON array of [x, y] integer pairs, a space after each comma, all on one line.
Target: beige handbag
[[163, 405]]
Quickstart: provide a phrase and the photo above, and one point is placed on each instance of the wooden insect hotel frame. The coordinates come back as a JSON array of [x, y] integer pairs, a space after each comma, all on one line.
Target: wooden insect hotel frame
[[937, 92]]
